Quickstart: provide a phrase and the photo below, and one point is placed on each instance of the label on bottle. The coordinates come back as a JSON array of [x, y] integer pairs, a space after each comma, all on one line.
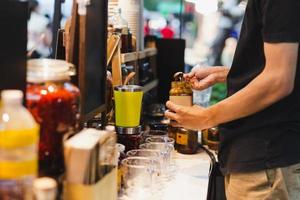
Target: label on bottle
[[182, 100], [23, 144], [10, 139], [182, 139], [13, 170]]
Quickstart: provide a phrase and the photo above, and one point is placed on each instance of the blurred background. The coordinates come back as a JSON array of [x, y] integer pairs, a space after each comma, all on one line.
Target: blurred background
[[210, 27]]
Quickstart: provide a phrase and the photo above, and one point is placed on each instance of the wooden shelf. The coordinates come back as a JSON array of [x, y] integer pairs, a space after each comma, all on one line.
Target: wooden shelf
[[150, 86], [130, 57]]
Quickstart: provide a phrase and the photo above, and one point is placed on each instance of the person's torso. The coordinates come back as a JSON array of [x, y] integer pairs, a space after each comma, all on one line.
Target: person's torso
[[253, 139]]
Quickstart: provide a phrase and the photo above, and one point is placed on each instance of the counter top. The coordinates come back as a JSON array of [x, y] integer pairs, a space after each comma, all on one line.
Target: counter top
[[191, 179]]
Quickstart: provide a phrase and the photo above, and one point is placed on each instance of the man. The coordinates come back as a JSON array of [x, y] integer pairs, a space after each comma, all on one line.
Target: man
[[260, 120], [232, 13], [39, 33]]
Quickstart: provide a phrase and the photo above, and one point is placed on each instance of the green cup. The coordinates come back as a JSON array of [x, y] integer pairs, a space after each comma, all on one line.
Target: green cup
[[128, 105]]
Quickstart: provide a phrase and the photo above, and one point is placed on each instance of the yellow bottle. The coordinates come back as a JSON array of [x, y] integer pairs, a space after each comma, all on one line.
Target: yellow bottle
[[18, 147]]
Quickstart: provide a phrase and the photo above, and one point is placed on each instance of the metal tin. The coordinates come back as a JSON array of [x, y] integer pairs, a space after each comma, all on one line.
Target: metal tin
[[129, 130]]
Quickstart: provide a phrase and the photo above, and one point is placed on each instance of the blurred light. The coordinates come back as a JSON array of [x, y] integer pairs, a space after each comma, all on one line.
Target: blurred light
[[206, 7], [5, 117], [44, 92], [191, 1], [51, 88], [158, 23]]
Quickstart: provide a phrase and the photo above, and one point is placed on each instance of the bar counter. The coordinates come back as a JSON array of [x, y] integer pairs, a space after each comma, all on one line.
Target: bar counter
[[191, 177]]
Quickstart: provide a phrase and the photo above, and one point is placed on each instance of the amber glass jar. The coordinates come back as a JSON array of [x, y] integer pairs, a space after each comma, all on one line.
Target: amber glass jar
[[54, 103], [181, 93], [186, 141], [213, 138]]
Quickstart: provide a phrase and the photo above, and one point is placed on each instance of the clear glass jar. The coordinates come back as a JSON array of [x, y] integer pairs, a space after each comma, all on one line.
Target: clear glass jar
[[54, 103]]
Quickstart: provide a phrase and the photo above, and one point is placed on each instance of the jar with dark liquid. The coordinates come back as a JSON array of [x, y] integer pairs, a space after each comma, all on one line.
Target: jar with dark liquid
[[131, 138], [54, 103], [186, 141], [213, 138]]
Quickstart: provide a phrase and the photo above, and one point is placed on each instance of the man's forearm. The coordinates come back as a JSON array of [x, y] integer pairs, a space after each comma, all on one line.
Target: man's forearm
[[275, 82], [262, 92]]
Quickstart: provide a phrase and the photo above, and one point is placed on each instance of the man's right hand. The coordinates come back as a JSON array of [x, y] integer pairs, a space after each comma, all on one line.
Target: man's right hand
[[205, 77]]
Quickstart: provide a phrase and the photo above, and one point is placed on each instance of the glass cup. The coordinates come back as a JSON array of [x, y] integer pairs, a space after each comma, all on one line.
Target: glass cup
[[151, 133], [140, 175], [160, 139], [152, 153], [168, 168], [164, 148]]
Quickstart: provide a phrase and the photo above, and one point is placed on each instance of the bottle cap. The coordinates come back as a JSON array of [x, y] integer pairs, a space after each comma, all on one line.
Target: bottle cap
[[11, 96], [44, 188]]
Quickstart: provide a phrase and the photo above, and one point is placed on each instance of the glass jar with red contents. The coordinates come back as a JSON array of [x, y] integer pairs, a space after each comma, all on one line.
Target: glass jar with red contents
[[54, 103]]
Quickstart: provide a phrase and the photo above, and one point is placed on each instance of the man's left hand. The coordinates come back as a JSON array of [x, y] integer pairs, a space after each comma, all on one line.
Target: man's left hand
[[194, 117]]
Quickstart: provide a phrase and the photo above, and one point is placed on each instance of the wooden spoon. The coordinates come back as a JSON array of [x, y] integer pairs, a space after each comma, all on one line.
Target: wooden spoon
[[129, 77]]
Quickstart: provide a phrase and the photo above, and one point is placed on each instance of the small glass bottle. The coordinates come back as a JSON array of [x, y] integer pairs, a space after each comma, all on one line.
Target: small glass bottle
[[120, 25]]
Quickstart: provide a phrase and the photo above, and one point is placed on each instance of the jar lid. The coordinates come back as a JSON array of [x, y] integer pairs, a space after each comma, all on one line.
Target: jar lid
[[41, 70], [129, 88], [45, 188]]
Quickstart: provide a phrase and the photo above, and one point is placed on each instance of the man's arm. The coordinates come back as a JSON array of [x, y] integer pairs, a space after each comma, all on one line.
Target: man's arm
[[275, 82]]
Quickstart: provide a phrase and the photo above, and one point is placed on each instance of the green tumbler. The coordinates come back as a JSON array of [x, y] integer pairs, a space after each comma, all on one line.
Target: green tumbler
[[128, 105]]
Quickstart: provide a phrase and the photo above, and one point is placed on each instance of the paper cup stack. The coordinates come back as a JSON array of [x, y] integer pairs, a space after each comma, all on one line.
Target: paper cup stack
[[112, 5]]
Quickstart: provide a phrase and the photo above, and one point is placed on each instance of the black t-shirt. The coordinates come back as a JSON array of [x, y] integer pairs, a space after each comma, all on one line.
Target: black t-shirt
[[270, 138]]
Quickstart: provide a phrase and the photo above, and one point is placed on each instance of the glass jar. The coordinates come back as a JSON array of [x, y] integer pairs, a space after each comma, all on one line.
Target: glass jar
[[213, 138], [181, 91], [186, 141], [54, 103], [131, 138]]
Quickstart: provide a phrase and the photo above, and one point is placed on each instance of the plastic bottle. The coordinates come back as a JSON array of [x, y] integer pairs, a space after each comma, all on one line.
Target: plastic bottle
[[45, 188], [18, 148], [202, 97]]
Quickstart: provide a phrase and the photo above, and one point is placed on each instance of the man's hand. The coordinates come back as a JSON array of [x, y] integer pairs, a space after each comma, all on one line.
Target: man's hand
[[205, 77], [195, 117], [274, 83]]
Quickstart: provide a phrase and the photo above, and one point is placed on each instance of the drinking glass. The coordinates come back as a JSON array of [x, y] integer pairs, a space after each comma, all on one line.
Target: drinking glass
[[160, 139], [152, 153], [164, 148], [140, 175], [150, 133]]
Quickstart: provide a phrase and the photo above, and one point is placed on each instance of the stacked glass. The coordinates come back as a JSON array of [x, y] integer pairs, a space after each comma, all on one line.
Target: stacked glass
[[147, 170]]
